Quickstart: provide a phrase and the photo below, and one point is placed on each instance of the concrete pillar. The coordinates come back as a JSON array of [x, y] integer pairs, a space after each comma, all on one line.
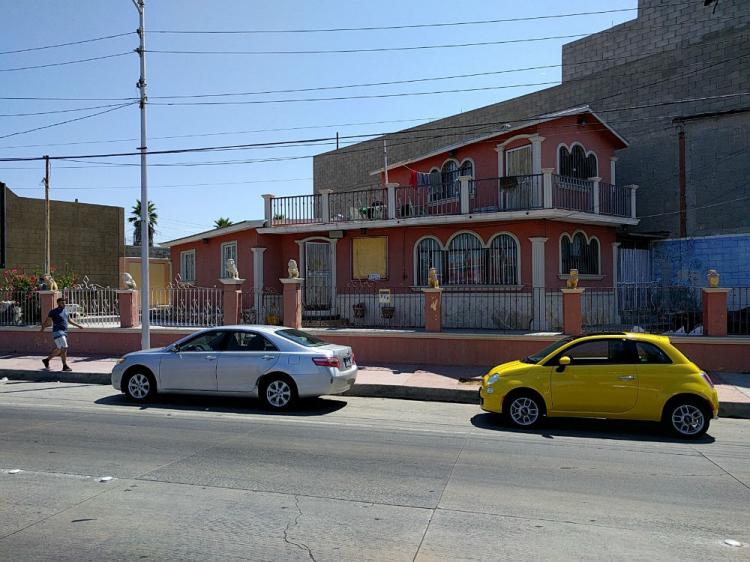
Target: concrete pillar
[[258, 280], [500, 149], [572, 311], [547, 187], [596, 193], [433, 312], [538, 282], [129, 303], [536, 154], [715, 312], [267, 198], [232, 300], [292, 302], [391, 201], [325, 204], [613, 170], [633, 188], [48, 301], [615, 275], [465, 182]]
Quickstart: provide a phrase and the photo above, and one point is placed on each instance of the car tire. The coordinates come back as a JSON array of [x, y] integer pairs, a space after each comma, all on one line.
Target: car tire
[[686, 418], [524, 410], [277, 392], [139, 386]]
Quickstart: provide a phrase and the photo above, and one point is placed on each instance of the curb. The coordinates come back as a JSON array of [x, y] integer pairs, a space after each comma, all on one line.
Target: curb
[[461, 396]]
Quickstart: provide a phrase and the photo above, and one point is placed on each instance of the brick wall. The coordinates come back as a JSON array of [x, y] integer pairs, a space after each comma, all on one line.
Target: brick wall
[[704, 59], [90, 239]]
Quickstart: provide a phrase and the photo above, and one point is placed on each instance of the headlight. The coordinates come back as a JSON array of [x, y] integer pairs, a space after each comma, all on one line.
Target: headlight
[[493, 379], [120, 360]]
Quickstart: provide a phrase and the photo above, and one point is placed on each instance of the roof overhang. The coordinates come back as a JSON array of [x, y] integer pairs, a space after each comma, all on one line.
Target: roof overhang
[[238, 227], [505, 129]]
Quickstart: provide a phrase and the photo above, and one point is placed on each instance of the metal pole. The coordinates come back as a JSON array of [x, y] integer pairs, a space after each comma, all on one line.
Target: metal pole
[[47, 241], [385, 159], [145, 242]]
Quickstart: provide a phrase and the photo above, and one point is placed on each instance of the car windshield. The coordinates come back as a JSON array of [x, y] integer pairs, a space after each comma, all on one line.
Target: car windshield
[[541, 354], [302, 338]]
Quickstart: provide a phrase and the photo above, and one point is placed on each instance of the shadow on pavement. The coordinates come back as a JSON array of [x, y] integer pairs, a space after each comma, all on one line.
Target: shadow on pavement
[[219, 404], [622, 430]]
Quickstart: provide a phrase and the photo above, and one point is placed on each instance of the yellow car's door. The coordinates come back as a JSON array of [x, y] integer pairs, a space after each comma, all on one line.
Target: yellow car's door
[[602, 378]]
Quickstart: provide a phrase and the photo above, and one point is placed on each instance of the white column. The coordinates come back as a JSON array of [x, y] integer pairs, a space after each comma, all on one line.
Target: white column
[[633, 188], [536, 154], [538, 282], [612, 170], [547, 187], [267, 197], [464, 181], [615, 274], [596, 193], [333, 241], [325, 208], [391, 187], [258, 281], [500, 149]]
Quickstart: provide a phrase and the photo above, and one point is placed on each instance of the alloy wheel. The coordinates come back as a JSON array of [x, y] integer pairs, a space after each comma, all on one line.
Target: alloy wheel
[[688, 419], [139, 386], [279, 393], [524, 411]]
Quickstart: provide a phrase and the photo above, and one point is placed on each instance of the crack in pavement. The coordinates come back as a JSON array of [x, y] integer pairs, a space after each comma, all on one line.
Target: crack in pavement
[[300, 545]]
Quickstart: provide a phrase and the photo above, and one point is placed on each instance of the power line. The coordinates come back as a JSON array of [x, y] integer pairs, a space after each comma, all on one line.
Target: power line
[[174, 185], [68, 121], [59, 111], [28, 49], [65, 62]]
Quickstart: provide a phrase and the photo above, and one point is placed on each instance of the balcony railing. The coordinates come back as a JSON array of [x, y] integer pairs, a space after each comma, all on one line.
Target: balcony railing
[[481, 196]]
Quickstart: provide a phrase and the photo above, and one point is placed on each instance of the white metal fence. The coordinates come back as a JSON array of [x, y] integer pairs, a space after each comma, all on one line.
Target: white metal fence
[[197, 307], [93, 306]]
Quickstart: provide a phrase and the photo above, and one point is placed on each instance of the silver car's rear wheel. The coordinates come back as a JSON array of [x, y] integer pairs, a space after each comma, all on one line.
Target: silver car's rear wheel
[[140, 387], [278, 393]]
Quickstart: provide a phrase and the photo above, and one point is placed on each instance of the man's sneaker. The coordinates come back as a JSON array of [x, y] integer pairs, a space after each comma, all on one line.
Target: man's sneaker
[[66, 368], [46, 363]]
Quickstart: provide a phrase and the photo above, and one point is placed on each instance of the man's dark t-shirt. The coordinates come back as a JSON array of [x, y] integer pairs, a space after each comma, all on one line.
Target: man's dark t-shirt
[[59, 317]]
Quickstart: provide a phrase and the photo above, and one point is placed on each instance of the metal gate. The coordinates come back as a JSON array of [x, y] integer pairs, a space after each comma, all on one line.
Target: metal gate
[[317, 276]]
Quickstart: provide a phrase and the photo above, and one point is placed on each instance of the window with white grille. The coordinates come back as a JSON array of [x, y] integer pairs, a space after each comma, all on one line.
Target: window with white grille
[[187, 265], [228, 251]]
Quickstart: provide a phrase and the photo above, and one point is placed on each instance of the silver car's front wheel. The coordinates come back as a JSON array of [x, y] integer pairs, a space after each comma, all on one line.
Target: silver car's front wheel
[[278, 393], [139, 387]]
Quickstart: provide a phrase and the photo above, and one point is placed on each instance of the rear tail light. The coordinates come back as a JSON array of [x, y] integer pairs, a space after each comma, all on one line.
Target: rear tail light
[[353, 361], [327, 361], [707, 379]]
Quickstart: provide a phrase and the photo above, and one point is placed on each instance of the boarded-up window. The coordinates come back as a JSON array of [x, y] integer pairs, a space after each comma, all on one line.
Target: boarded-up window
[[370, 256]]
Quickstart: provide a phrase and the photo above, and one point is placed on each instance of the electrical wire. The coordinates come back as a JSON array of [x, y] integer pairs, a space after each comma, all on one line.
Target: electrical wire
[[48, 65], [95, 39], [61, 110]]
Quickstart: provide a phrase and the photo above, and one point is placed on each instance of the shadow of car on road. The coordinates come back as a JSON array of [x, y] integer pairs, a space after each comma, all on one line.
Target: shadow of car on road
[[621, 430], [221, 404]]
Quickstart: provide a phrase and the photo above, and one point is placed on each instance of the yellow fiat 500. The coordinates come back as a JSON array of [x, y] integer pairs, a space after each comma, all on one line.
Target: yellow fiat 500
[[620, 376]]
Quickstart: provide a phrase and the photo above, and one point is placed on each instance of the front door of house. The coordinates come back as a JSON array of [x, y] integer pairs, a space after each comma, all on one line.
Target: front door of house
[[317, 276], [517, 191]]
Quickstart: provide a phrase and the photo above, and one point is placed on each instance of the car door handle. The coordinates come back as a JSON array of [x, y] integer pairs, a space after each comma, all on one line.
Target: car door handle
[[627, 378], [269, 357], [210, 357]]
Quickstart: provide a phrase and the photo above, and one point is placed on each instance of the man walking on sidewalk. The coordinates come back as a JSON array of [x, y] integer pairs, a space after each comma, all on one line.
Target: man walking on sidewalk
[[59, 319]]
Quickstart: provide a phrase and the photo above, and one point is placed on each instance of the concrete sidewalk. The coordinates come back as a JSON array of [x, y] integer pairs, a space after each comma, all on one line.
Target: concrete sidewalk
[[415, 382]]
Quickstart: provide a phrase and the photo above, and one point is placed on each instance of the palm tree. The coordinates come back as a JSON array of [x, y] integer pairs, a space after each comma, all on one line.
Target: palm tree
[[221, 222], [135, 220]]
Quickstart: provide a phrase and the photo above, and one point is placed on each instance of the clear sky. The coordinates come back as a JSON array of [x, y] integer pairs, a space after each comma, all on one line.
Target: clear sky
[[233, 189]]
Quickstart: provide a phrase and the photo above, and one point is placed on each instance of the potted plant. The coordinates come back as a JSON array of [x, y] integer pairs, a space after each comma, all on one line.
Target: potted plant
[[387, 312], [359, 310]]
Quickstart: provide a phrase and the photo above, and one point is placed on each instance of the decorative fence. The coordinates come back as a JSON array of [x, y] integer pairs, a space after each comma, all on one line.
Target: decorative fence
[[421, 202], [92, 305], [19, 308], [488, 308], [738, 311], [297, 209], [363, 205], [511, 193], [572, 193], [186, 307], [649, 308], [614, 200], [262, 306]]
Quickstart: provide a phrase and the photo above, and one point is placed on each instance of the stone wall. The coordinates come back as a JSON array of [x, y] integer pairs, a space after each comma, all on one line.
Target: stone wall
[[666, 54], [89, 239]]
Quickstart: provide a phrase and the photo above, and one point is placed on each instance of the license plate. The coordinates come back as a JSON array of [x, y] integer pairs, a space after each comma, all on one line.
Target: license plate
[[347, 361]]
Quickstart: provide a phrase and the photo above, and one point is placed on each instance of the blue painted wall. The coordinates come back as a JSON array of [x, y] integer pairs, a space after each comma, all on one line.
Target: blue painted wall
[[685, 261]]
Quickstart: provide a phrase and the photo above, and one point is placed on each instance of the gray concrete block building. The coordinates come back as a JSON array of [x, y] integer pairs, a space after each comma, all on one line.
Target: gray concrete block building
[[690, 159]]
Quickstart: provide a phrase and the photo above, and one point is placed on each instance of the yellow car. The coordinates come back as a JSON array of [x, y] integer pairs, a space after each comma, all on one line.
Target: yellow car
[[620, 376]]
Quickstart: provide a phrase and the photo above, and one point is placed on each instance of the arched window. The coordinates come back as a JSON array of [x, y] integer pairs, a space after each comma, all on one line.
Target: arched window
[[465, 260], [451, 185], [575, 164], [428, 254], [467, 168], [579, 253], [503, 258]]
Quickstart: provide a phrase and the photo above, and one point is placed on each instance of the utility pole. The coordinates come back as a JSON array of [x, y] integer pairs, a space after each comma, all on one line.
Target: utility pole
[[145, 316], [47, 239], [385, 159]]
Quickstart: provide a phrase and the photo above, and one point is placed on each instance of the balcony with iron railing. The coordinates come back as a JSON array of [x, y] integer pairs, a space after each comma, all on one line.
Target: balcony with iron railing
[[543, 193]]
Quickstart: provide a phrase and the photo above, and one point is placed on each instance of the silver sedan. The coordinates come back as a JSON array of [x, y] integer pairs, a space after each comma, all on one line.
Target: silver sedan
[[276, 364]]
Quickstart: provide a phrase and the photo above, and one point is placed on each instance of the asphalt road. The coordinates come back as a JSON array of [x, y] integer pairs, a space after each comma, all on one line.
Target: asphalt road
[[354, 479]]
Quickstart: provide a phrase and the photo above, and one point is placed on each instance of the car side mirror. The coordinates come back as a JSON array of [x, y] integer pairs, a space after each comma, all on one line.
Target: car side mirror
[[563, 362], [173, 347]]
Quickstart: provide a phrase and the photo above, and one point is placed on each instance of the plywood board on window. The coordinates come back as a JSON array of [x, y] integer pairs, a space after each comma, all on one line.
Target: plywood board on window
[[370, 255]]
